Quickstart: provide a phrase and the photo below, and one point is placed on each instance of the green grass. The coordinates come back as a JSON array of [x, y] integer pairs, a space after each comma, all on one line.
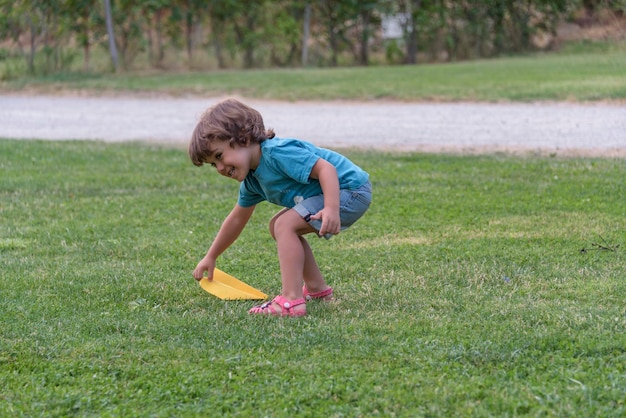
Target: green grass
[[589, 74], [462, 292]]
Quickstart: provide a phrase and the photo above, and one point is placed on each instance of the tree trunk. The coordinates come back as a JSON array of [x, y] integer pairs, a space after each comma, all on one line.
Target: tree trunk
[[86, 42], [334, 48], [159, 39], [189, 34], [365, 36], [245, 44], [305, 35], [87, 51], [148, 35], [411, 35], [216, 29], [110, 33], [33, 47]]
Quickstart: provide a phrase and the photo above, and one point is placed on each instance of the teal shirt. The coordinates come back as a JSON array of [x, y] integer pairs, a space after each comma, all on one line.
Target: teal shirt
[[282, 176]]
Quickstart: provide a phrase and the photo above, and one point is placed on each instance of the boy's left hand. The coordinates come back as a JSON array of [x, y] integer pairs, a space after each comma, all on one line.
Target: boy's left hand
[[331, 222]]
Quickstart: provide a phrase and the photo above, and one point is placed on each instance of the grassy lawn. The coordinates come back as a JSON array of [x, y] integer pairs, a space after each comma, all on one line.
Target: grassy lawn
[[584, 74], [463, 292]]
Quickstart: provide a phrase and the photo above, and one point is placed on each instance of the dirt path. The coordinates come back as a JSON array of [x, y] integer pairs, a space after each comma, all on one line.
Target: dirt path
[[564, 129]]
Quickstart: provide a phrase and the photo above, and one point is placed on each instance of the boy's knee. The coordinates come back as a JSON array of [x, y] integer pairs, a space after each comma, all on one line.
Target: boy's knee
[[272, 225], [290, 222], [278, 224]]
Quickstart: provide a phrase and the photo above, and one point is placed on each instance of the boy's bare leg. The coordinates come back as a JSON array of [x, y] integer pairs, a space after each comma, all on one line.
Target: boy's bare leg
[[312, 275], [287, 228], [297, 262]]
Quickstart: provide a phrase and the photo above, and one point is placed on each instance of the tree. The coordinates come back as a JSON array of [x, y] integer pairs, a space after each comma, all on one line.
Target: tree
[[36, 26], [333, 19], [282, 31], [154, 12], [129, 23], [245, 27], [366, 12], [192, 12], [13, 23], [82, 15]]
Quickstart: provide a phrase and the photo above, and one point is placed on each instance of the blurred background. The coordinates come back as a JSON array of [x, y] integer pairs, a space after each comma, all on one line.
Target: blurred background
[[41, 37]]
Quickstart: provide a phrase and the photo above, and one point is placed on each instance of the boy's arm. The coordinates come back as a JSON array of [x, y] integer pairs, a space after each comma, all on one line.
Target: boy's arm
[[228, 233], [326, 173]]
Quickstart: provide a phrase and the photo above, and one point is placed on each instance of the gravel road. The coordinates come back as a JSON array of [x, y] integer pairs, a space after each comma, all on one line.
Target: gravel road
[[561, 128]]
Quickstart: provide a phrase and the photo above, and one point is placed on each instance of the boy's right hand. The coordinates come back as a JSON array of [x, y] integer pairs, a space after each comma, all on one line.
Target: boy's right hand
[[205, 265]]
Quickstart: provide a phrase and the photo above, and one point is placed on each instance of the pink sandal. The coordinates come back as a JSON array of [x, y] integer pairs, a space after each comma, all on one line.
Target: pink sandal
[[324, 294], [286, 307]]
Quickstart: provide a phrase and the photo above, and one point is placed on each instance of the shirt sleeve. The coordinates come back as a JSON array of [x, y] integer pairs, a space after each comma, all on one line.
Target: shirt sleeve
[[295, 160], [249, 195]]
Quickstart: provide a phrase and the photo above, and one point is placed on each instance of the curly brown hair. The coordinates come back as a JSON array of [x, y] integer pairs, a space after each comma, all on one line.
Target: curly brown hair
[[231, 121]]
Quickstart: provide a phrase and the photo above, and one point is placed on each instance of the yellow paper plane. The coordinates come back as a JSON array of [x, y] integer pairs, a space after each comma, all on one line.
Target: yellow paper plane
[[227, 287]]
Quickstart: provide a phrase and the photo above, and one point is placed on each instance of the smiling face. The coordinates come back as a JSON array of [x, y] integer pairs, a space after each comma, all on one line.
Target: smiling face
[[235, 162]]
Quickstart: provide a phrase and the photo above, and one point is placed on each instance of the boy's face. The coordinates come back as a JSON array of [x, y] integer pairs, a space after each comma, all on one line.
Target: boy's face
[[236, 162]]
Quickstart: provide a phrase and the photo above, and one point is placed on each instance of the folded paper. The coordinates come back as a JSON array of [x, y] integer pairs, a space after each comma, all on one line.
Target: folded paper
[[227, 287]]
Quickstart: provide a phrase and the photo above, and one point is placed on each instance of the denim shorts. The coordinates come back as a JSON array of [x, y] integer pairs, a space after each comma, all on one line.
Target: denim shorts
[[352, 205]]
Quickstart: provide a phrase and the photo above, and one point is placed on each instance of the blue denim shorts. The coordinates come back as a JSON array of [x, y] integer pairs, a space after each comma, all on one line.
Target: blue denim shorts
[[352, 205]]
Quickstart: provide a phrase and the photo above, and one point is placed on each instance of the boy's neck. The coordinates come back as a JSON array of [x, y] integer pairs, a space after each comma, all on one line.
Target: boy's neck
[[256, 154]]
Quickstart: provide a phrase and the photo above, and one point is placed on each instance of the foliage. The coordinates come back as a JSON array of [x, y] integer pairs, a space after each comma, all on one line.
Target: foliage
[[473, 29], [269, 32], [463, 291]]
